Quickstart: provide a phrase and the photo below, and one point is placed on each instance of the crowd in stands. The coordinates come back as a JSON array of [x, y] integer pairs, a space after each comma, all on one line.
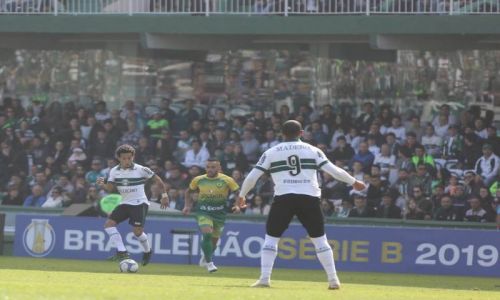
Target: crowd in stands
[[253, 6], [445, 170]]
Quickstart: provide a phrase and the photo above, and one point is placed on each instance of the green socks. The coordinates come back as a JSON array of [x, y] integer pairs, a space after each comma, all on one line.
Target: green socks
[[207, 246]]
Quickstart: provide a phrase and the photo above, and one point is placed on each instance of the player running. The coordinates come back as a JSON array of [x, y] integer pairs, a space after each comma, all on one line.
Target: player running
[[293, 166], [129, 179], [214, 188]]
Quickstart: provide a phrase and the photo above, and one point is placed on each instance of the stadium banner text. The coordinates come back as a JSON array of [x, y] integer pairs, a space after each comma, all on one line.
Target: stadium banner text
[[356, 248]]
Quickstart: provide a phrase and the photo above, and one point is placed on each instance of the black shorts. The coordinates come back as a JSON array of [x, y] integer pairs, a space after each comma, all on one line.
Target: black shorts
[[136, 214], [306, 208]]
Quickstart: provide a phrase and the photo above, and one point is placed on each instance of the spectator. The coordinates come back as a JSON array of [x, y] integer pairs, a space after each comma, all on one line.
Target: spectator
[[357, 170], [479, 129], [385, 160], [424, 205], [345, 209], [55, 198], [13, 197], [364, 156], [361, 208], [250, 146], [471, 151], [183, 145], [354, 139], [422, 179], [102, 113], [270, 141], [476, 213], [446, 211], [102, 146], [442, 127], [444, 111], [176, 200], [453, 144], [488, 165], [196, 156], [155, 126], [398, 130], [388, 209], [412, 212], [258, 207], [343, 152], [118, 122], [366, 118], [410, 144], [403, 184], [421, 157], [36, 199], [77, 157], [376, 188], [12, 161], [487, 203], [131, 136], [432, 143], [493, 140], [166, 146], [95, 172]]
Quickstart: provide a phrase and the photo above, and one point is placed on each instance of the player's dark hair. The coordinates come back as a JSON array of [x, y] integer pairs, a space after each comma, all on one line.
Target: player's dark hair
[[291, 129], [212, 159], [123, 149]]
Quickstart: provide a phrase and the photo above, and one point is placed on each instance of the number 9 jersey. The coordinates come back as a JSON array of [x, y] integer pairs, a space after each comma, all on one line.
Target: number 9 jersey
[[293, 167]]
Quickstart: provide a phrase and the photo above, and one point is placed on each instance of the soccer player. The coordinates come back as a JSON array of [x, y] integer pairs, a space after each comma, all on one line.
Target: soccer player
[[129, 179], [293, 166], [214, 188]]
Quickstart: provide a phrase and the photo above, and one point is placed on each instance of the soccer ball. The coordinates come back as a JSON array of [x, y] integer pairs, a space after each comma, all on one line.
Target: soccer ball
[[129, 266]]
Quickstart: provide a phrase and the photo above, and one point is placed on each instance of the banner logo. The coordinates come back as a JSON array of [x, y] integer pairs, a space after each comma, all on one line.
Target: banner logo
[[39, 238]]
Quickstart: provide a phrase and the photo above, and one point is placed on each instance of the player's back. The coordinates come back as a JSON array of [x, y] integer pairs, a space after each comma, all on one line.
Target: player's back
[[293, 167]]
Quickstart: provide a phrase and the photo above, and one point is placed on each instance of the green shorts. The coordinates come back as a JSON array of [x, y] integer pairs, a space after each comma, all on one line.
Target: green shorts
[[215, 224]]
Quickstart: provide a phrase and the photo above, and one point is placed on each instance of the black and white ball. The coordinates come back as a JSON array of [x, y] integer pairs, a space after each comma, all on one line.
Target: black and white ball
[[129, 266]]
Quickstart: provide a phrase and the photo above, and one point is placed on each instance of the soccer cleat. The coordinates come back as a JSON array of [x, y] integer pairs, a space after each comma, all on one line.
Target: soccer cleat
[[146, 257], [119, 256], [261, 284], [334, 284], [203, 262], [211, 267]]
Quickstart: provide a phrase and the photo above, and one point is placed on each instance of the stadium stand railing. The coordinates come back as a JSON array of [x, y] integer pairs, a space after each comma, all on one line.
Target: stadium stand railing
[[251, 7]]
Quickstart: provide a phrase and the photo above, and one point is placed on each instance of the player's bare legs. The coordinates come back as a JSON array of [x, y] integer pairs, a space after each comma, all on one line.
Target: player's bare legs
[[116, 239], [143, 239]]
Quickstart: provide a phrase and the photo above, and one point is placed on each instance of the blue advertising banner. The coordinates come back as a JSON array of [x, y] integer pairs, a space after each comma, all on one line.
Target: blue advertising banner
[[356, 248]]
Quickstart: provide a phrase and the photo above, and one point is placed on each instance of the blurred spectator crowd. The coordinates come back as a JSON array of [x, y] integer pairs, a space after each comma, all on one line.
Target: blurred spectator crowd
[[446, 169]]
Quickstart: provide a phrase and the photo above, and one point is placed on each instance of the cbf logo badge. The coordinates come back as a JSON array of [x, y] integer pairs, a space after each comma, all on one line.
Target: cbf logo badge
[[39, 238]]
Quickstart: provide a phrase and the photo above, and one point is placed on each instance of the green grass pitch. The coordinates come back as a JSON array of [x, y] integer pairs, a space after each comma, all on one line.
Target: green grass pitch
[[30, 278]]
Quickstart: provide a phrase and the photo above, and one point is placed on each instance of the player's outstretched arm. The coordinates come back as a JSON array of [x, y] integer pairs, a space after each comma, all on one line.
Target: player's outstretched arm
[[342, 175], [164, 195], [248, 184]]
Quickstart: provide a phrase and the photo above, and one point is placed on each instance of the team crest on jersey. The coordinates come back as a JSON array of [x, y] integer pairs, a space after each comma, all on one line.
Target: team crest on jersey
[[125, 182], [219, 185]]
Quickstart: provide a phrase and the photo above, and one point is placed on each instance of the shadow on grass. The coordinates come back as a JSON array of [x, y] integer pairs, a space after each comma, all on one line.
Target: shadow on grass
[[380, 279]]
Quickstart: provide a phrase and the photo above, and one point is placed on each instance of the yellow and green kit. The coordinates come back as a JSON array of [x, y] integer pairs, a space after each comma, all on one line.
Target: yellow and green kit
[[212, 198]]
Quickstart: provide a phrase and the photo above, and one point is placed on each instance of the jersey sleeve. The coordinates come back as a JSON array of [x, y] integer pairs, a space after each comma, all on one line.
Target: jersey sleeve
[[193, 186], [232, 184], [111, 176], [147, 172], [321, 159], [264, 162]]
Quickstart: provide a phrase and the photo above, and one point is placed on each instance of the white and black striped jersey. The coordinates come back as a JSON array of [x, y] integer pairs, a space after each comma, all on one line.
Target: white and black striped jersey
[[130, 183], [294, 168]]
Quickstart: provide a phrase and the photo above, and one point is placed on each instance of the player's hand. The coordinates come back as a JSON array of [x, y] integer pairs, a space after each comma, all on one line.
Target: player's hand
[[164, 202], [236, 209], [241, 202], [359, 185], [100, 181], [186, 210]]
